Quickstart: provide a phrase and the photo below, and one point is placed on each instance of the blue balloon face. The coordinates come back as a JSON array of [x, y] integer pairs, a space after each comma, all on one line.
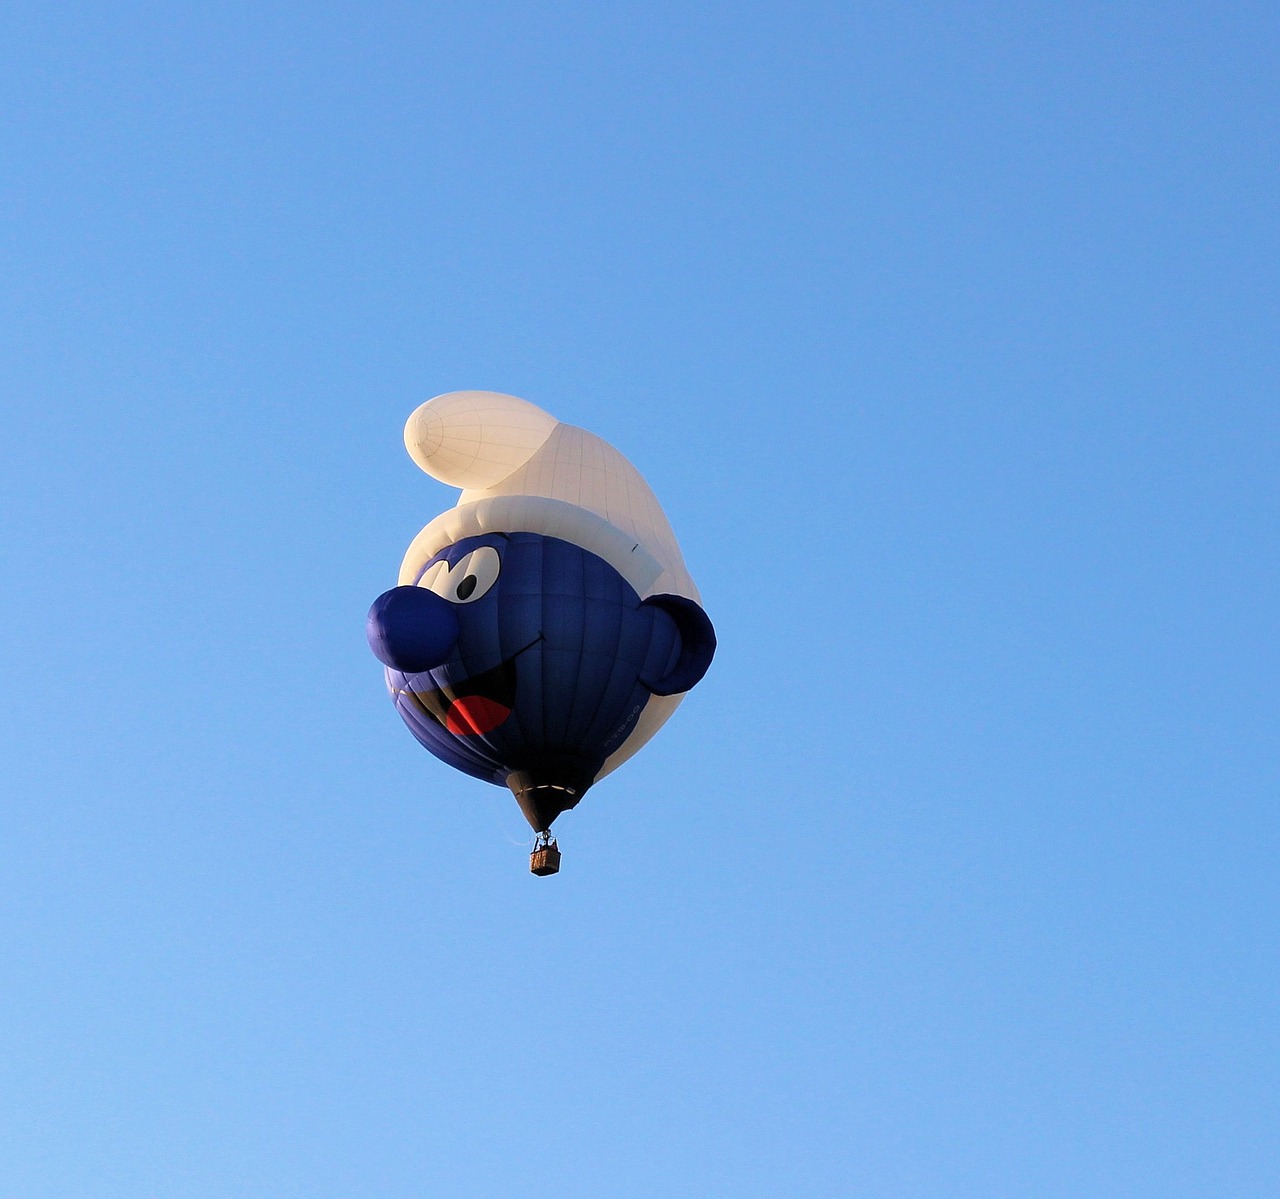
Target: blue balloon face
[[554, 658]]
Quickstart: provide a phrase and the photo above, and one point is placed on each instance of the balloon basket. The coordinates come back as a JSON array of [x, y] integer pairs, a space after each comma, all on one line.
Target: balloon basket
[[545, 858]]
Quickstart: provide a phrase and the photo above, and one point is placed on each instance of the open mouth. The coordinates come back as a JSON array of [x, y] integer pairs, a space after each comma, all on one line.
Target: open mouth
[[476, 705]]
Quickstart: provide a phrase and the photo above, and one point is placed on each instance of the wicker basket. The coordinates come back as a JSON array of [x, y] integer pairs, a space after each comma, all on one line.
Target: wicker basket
[[545, 860]]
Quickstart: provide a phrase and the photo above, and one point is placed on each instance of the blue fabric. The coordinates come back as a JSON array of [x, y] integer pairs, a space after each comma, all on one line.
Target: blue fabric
[[696, 642], [560, 640], [410, 629]]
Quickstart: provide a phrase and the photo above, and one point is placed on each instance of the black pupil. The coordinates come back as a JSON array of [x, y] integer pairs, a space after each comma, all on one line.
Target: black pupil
[[466, 587]]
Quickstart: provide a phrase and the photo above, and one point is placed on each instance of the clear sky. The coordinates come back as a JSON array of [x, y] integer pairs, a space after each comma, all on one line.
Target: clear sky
[[947, 335]]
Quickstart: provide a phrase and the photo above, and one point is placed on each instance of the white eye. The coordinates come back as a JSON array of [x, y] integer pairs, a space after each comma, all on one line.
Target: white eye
[[474, 575], [467, 580], [435, 577]]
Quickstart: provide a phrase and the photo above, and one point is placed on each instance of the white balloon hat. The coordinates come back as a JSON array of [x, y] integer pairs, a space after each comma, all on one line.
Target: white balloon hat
[[523, 471]]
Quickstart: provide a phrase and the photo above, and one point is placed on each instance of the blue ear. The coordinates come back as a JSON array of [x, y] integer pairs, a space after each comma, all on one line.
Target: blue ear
[[697, 643]]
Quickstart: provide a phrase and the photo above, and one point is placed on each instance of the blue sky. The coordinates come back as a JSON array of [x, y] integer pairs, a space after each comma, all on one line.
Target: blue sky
[[946, 335]]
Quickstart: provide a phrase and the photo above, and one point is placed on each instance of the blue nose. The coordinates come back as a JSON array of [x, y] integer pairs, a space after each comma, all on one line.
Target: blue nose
[[411, 629]]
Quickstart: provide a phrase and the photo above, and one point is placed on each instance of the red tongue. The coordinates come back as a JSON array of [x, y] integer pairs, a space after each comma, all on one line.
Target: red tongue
[[474, 714]]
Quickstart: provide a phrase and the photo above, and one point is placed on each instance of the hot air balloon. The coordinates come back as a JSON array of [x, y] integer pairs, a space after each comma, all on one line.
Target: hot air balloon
[[545, 627]]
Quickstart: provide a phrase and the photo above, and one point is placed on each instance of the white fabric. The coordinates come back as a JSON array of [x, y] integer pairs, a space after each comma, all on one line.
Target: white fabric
[[492, 445], [581, 469], [533, 514], [475, 438]]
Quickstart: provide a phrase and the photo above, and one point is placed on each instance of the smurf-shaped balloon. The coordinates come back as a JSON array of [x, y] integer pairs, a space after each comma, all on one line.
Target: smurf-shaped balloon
[[546, 627]]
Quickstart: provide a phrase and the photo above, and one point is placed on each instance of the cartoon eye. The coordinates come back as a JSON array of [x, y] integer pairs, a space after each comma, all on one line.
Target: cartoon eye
[[474, 575], [467, 580], [435, 577]]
